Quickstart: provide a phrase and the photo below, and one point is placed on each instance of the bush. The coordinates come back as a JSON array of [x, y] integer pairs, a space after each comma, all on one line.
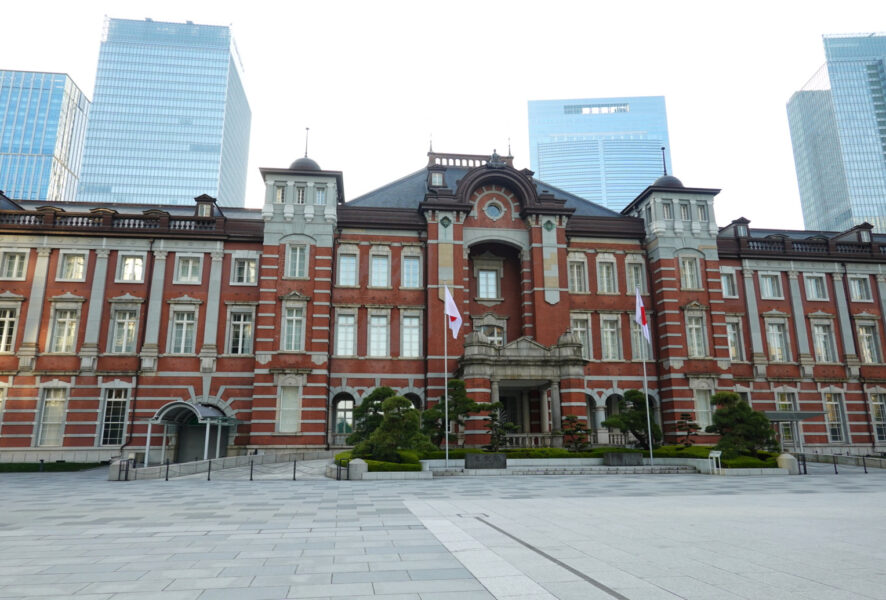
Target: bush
[[742, 430], [454, 453], [398, 430], [380, 465], [632, 417], [749, 462]]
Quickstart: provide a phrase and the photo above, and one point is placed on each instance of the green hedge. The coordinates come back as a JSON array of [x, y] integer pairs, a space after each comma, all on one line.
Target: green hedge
[[49, 467], [377, 465]]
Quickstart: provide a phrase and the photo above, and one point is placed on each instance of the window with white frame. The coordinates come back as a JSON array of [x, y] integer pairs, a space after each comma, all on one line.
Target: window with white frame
[[297, 266], [833, 407], [244, 271], [64, 328], [410, 271], [701, 210], [114, 416], [300, 195], [378, 335], [52, 417], [8, 322], [494, 334], [347, 266], [293, 338], [289, 409], [606, 281], [188, 269], [379, 268], [279, 194], [729, 284], [860, 288], [204, 209], [344, 415], [639, 343], [131, 267], [240, 330], [703, 409], [878, 415], [12, 264], [636, 275], [770, 286], [785, 402], [777, 340], [690, 275], [183, 323], [823, 341], [610, 338], [816, 287], [684, 212], [695, 335], [71, 266], [124, 322], [667, 210], [346, 334], [577, 274], [734, 340], [581, 328], [868, 342], [320, 196], [487, 284], [410, 336], [436, 179]]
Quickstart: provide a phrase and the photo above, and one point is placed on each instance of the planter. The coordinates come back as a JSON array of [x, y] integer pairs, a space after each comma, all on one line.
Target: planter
[[622, 459], [486, 461]]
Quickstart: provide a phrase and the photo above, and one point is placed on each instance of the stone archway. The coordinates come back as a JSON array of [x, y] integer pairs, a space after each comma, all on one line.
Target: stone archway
[[193, 429]]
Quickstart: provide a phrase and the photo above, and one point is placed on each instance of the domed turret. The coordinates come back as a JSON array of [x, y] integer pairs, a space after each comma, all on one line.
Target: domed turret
[[305, 164], [668, 181]]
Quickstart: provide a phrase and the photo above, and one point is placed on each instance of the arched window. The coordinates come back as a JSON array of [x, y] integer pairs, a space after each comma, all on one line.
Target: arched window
[[344, 414]]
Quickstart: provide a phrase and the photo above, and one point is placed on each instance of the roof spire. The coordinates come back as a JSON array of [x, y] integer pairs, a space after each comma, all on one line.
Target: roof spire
[[664, 164], [430, 142], [308, 129], [509, 146]]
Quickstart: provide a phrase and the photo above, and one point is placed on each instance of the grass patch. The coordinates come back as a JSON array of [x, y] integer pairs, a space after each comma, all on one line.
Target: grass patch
[[49, 467]]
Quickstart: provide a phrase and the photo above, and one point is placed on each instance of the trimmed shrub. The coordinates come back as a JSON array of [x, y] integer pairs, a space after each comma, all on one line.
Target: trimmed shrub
[[379, 465]]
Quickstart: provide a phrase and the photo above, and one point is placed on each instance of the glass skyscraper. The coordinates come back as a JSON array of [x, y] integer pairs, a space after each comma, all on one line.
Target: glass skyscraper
[[838, 131], [42, 126], [606, 150], [169, 120]]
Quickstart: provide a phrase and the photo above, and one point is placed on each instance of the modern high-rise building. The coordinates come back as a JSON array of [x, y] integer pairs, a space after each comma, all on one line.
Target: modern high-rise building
[[838, 131], [42, 127], [170, 120], [606, 150]]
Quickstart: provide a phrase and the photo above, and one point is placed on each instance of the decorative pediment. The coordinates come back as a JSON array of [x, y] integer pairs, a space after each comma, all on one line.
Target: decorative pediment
[[67, 297], [819, 314], [526, 346], [294, 296], [694, 306], [775, 314], [184, 300], [864, 315], [126, 298], [10, 297]]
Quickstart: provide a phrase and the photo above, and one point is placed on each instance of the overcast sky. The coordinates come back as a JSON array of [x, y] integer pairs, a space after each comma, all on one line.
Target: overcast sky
[[376, 80]]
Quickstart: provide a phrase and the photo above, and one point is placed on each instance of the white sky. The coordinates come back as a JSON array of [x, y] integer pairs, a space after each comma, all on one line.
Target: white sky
[[374, 80]]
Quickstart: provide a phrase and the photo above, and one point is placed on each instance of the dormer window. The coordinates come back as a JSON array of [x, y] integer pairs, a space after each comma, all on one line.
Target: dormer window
[[204, 209], [864, 236], [436, 179], [741, 231]]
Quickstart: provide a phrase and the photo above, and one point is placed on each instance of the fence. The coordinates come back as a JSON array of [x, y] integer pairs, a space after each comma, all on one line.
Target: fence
[[125, 470]]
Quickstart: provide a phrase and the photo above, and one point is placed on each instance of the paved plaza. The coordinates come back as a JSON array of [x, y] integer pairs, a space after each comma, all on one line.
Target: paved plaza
[[640, 537]]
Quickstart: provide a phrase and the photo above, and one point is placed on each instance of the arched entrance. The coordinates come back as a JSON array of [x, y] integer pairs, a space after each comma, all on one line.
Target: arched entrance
[[343, 425], [192, 425]]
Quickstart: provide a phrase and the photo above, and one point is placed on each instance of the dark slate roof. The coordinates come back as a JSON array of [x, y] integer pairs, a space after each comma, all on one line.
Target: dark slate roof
[[124, 208], [409, 192], [805, 234]]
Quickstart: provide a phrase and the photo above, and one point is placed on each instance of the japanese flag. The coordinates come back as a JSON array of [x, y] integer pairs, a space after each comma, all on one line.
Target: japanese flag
[[453, 317], [640, 317]]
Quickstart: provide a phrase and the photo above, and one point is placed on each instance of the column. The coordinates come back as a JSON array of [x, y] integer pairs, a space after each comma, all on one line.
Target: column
[[845, 324], [150, 350], [89, 351], [27, 354], [494, 396], [209, 351], [557, 421], [758, 358], [527, 417], [804, 355], [545, 418]]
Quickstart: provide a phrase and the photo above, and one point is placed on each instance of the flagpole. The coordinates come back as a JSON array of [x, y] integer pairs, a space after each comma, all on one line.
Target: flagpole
[[640, 316], [446, 384], [648, 417]]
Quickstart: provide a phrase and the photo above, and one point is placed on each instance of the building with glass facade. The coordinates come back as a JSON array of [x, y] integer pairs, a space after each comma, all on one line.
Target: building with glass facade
[[606, 150], [42, 127], [170, 120], [838, 131]]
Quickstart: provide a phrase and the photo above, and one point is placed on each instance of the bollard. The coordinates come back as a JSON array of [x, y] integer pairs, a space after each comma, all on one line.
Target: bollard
[[835, 464], [167, 469], [293, 469], [41, 465], [209, 471], [250, 469], [864, 464]]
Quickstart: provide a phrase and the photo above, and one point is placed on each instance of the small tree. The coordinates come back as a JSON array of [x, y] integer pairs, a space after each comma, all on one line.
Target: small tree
[[497, 426], [399, 430], [688, 427], [742, 429], [369, 414], [575, 434], [460, 406], [632, 418]]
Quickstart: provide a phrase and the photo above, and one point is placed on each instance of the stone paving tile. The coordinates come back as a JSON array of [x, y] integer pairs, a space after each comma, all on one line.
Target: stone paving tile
[[245, 593]]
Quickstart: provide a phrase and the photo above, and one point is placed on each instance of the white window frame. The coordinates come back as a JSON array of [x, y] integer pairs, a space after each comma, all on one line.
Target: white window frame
[[132, 337], [784, 345], [378, 334], [667, 210], [236, 261], [63, 257], [483, 266], [280, 193], [878, 415], [685, 212], [701, 211], [241, 330], [300, 195], [869, 348], [690, 273], [69, 330], [348, 253], [63, 393], [607, 274], [835, 416], [122, 273], [734, 339], [704, 412], [9, 328], [823, 343], [380, 267], [114, 395], [696, 335], [192, 277], [580, 324], [346, 320], [290, 405], [860, 288], [812, 294], [320, 195], [411, 257], [293, 326], [179, 307], [610, 338], [635, 273], [728, 275], [577, 272], [639, 344], [770, 285], [405, 350], [298, 260], [488, 278], [15, 259]]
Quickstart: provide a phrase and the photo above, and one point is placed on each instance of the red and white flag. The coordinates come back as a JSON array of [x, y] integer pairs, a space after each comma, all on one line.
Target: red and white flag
[[453, 317], [640, 317]]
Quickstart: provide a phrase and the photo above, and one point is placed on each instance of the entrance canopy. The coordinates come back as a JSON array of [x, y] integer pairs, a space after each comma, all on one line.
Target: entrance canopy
[[790, 416], [179, 413]]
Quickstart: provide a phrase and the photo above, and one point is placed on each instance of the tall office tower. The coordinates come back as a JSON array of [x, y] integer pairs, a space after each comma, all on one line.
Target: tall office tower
[[42, 125], [838, 131], [606, 150], [170, 120]]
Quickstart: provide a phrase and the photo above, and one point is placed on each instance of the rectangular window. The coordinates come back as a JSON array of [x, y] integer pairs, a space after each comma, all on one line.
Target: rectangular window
[[114, 419], [320, 196], [64, 330], [124, 332], [611, 342], [636, 277], [378, 335], [785, 401], [8, 319], [770, 286], [345, 339], [289, 409], [293, 328], [279, 194], [860, 289], [299, 195], [582, 330], [184, 329], [733, 339], [241, 332], [606, 277], [410, 275], [815, 287], [868, 343], [131, 268], [72, 267], [695, 336], [690, 278], [668, 211], [639, 343], [878, 415], [703, 408], [823, 341], [578, 281], [487, 284], [730, 287], [379, 271], [411, 347], [777, 338], [702, 211], [12, 265], [244, 271], [684, 212], [52, 418], [298, 261], [833, 406], [347, 269], [187, 269]]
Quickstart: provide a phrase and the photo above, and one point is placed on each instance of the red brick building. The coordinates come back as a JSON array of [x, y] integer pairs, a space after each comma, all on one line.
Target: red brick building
[[214, 332]]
